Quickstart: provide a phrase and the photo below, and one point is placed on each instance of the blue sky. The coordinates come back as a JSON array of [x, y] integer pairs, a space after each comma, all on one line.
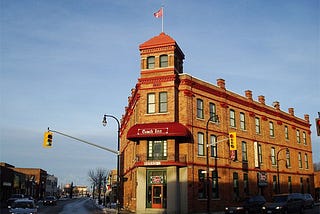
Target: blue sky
[[66, 63]]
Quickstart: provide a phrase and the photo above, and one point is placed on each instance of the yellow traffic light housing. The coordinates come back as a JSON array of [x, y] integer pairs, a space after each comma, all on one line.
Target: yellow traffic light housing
[[318, 126], [47, 141], [233, 141]]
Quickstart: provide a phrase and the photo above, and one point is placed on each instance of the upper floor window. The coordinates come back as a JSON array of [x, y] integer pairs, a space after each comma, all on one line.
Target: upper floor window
[[273, 156], [163, 61], [163, 102], [288, 161], [304, 138], [232, 118], [300, 160], [200, 109], [151, 99], [286, 132], [271, 128], [306, 161], [244, 152], [298, 136], [212, 109], [260, 154], [213, 140], [200, 144], [157, 150], [242, 121], [150, 62], [257, 123]]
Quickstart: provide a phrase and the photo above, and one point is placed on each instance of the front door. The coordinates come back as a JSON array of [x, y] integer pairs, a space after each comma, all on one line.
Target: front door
[[157, 194]]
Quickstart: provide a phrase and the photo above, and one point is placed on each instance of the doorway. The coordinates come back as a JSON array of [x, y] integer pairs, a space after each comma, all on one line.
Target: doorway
[[157, 195]]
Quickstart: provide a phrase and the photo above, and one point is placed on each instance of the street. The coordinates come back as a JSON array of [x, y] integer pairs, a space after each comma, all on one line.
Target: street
[[66, 206]]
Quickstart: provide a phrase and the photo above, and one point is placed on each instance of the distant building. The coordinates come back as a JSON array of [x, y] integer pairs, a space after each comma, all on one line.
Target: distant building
[[27, 181], [51, 185], [170, 119]]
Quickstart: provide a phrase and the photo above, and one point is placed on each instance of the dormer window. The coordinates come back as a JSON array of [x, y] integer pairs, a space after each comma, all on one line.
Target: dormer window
[[163, 61], [150, 62]]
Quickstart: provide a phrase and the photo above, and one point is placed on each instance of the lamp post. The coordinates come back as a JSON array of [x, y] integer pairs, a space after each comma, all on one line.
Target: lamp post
[[104, 123], [216, 119], [278, 178]]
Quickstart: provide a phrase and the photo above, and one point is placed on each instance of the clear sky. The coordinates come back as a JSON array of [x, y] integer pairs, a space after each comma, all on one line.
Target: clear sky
[[66, 63]]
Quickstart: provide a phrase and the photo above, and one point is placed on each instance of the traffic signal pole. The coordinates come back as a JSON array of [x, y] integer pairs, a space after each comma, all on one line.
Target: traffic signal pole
[[86, 142]]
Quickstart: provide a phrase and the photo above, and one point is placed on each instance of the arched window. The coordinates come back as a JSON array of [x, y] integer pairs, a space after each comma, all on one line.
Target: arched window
[[163, 61], [150, 62]]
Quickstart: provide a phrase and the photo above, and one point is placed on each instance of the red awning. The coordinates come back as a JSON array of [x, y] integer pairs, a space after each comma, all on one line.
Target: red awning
[[157, 130]]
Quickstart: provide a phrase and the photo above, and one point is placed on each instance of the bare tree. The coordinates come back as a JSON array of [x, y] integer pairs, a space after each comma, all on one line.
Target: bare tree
[[97, 178]]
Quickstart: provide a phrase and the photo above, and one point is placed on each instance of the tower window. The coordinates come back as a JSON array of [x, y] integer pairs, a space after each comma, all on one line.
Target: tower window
[[151, 108], [150, 62], [163, 104], [163, 61]]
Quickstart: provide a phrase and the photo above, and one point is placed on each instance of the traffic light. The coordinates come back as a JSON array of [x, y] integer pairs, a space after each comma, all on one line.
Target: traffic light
[[318, 126], [47, 141], [233, 141]]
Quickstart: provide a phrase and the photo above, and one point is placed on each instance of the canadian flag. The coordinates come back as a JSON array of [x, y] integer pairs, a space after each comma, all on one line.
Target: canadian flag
[[159, 13]]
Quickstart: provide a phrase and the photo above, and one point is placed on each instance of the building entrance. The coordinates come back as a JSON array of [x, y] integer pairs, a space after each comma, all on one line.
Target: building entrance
[[157, 189], [157, 194]]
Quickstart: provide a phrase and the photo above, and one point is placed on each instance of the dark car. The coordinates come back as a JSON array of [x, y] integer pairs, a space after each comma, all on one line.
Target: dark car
[[13, 198], [50, 200], [285, 203], [250, 205], [308, 201]]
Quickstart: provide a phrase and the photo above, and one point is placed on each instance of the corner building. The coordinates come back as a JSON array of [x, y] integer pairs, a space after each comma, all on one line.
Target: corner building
[[170, 119]]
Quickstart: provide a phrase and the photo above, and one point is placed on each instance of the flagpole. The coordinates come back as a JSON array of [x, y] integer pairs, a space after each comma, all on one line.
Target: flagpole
[[162, 19]]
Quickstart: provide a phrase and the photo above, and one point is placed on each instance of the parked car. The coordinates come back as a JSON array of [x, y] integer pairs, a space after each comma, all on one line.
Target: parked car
[[285, 203], [13, 198], [250, 205], [50, 200], [308, 201], [23, 206]]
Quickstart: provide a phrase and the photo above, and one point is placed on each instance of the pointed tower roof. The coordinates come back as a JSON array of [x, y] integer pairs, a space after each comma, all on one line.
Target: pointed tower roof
[[161, 40]]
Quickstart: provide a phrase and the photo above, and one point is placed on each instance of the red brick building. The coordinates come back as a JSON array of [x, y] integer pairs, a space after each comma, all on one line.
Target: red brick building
[[172, 118]]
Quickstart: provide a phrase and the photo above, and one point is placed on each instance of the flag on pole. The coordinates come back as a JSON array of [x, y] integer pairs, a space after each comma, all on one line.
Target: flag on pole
[[159, 13]]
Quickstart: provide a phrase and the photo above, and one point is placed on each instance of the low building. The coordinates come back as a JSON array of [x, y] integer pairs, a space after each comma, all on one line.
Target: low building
[[170, 161]]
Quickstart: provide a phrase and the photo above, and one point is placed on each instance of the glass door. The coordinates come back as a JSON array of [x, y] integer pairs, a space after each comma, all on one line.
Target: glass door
[[157, 193]]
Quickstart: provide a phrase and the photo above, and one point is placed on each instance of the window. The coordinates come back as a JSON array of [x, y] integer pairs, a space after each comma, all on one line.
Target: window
[[288, 162], [200, 144], [274, 184], [150, 62], [151, 103], [286, 132], [202, 186], [300, 160], [200, 109], [244, 152], [213, 139], [232, 118], [306, 161], [273, 156], [271, 128], [298, 136], [301, 185], [212, 109], [163, 61], [260, 154], [304, 138], [235, 185], [246, 183], [242, 121], [215, 185], [257, 122], [290, 184], [157, 150], [163, 102]]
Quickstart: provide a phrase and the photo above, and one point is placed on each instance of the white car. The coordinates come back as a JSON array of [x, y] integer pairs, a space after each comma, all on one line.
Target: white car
[[23, 206]]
